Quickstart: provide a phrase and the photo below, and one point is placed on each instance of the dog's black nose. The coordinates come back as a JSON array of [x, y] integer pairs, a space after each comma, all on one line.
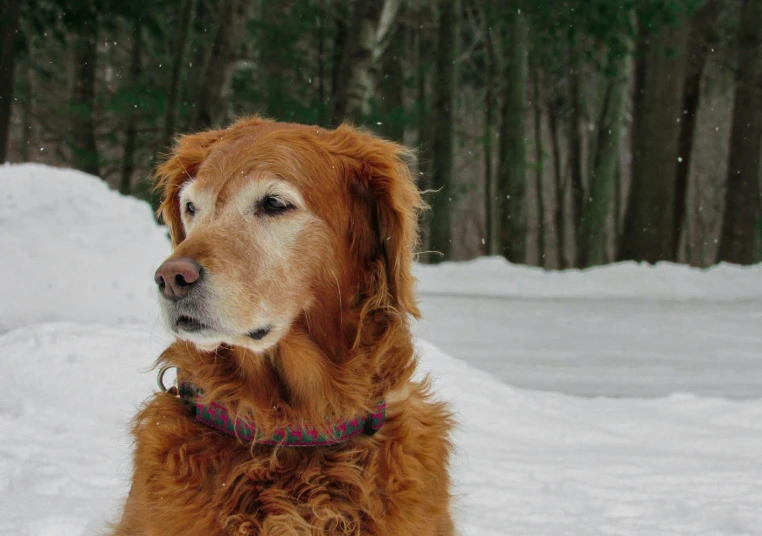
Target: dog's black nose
[[176, 276]]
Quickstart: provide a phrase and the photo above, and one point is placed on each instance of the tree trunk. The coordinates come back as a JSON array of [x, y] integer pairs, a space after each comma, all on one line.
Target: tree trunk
[[702, 23], [340, 37], [558, 209], [422, 105], [511, 170], [423, 135], [617, 228], [603, 179], [489, 96], [131, 135], [218, 76], [178, 62], [321, 61], [648, 230], [26, 112], [84, 148], [638, 109], [575, 147], [198, 55], [9, 28], [442, 135], [386, 30], [391, 90], [742, 197], [539, 165], [353, 79]]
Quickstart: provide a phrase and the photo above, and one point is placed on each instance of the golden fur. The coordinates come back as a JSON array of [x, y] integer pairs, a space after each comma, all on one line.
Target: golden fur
[[333, 279]]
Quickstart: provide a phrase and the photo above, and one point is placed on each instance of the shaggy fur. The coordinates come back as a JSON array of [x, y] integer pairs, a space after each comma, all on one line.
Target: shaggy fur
[[347, 276]]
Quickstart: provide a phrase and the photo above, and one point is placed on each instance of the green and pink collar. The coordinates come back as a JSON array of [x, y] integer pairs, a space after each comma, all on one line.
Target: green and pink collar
[[218, 417]]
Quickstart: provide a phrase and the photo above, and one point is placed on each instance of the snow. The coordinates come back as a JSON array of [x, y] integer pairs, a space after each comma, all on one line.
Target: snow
[[77, 353], [496, 277], [616, 347], [82, 249]]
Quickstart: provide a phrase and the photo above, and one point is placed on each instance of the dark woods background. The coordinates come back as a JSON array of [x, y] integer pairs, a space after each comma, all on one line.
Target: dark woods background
[[555, 133]]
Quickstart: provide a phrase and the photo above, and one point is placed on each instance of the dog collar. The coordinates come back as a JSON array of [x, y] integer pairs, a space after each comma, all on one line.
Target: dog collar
[[218, 417]]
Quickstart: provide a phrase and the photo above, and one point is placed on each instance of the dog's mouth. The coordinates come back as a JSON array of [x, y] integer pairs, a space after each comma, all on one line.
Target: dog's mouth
[[189, 324], [259, 334]]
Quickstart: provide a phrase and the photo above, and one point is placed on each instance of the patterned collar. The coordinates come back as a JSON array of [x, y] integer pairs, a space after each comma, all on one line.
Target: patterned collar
[[216, 416]]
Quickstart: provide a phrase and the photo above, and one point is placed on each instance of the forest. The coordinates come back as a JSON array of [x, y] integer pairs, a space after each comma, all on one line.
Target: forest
[[556, 133]]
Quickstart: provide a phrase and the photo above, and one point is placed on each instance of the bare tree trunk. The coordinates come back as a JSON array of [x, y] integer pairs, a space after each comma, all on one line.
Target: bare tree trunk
[[353, 78], [638, 112], [742, 197], [698, 50], [575, 147], [218, 76], [84, 148], [539, 165], [648, 230], [489, 90], [617, 228], [511, 172], [321, 61], [340, 37], [178, 62], [591, 246], [391, 89], [9, 28], [131, 135], [758, 235], [423, 134], [442, 135], [420, 92], [385, 34], [26, 112], [558, 209]]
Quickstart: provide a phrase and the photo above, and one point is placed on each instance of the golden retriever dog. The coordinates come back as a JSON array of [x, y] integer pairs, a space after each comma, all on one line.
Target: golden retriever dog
[[289, 292]]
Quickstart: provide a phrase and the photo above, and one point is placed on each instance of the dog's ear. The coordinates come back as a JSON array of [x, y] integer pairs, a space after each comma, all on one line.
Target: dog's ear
[[180, 167], [383, 190]]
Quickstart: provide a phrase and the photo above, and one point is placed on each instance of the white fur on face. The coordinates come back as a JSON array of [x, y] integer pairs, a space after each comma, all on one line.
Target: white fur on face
[[258, 285], [202, 200]]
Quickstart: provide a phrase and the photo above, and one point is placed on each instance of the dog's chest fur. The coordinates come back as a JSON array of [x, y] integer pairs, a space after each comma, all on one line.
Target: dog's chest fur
[[193, 480]]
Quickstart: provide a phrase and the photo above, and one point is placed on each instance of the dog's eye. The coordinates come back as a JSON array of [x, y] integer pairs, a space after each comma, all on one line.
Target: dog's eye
[[190, 208], [273, 205]]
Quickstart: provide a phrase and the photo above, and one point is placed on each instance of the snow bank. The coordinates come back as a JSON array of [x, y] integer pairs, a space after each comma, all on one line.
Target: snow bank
[[532, 463], [72, 249], [494, 276], [526, 463]]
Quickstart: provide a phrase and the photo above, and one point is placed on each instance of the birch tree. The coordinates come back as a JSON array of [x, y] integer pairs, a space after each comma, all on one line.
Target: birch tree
[[366, 40]]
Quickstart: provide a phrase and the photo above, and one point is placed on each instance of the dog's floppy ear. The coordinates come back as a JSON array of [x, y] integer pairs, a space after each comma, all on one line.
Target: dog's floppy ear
[[181, 166], [381, 182]]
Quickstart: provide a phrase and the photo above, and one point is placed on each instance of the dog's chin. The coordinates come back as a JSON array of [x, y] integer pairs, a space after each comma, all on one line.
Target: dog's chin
[[209, 339], [208, 334], [205, 340]]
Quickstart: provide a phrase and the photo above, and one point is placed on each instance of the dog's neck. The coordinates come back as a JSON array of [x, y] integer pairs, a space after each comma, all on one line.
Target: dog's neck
[[313, 373]]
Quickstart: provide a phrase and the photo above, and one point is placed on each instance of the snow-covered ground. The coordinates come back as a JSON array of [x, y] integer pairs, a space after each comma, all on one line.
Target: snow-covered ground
[[77, 349], [605, 346], [622, 330]]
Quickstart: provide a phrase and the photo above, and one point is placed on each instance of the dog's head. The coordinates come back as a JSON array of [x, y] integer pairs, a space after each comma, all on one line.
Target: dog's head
[[280, 226]]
